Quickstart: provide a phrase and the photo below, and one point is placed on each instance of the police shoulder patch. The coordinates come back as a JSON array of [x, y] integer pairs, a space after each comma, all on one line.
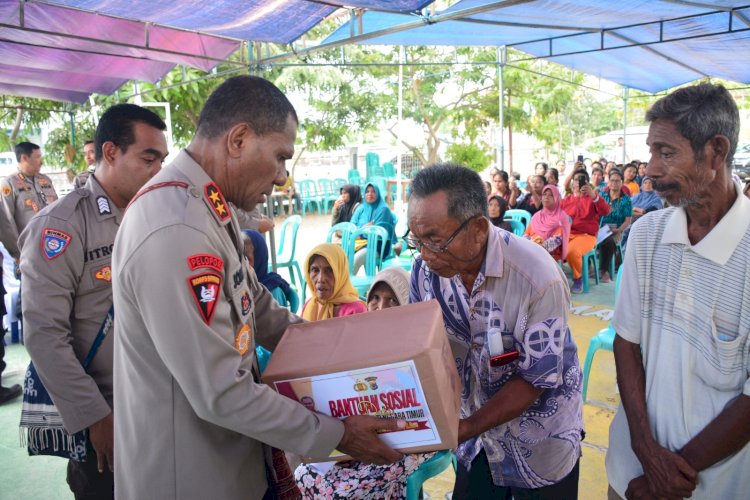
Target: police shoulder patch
[[217, 201], [54, 242], [6, 190], [202, 260], [243, 338], [205, 288]]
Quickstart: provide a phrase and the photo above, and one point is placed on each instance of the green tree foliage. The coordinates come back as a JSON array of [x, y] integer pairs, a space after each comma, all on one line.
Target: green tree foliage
[[471, 155]]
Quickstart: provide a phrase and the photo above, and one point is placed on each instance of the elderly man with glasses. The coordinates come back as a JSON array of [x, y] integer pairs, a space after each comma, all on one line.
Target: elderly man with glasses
[[505, 305]]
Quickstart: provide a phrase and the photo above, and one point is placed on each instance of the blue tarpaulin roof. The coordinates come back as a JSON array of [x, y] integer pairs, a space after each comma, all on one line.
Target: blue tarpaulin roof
[[649, 45]]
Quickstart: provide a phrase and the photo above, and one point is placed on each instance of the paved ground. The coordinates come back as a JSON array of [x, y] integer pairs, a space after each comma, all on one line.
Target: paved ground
[[23, 477]]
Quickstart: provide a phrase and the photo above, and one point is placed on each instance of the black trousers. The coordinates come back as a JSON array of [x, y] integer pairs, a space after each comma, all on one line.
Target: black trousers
[[607, 249], [476, 484], [87, 483]]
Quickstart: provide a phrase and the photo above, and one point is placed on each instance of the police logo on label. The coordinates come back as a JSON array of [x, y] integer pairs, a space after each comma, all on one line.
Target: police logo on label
[[245, 302], [242, 339], [104, 274], [54, 243], [205, 288], [103, 204]]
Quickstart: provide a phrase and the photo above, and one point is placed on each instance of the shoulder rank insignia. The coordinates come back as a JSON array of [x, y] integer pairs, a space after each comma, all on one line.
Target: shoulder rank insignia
[[203, 260], [217, 201], [54, 243], [103, 203], [205, 288]]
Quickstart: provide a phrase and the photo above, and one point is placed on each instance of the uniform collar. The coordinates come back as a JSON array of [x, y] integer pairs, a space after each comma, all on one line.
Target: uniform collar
[[209, 191], [100, 202], [719, 244]]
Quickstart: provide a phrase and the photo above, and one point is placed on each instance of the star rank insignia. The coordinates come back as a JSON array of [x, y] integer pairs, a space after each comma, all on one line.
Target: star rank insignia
[[217, 201]]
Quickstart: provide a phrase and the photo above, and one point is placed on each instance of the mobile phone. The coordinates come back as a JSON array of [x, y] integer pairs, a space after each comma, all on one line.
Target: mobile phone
[[581, 181], [580, 158], [504, 358]]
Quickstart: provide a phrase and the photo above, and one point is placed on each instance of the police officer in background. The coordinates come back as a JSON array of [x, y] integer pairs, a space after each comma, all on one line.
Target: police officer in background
[[193, 419], [22, 195], [89, 156], [66, 267]]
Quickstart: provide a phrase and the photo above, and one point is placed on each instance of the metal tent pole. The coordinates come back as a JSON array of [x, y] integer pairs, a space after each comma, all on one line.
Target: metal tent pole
[[397, 203], [502, 55], [625, 125]]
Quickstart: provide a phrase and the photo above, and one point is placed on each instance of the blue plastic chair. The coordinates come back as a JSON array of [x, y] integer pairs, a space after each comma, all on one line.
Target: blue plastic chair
[[389, 170], [592, 256], [520, 215], [372, 161], [290, 301], [376, 243], [517, 226], [347, 230], [430, 468], [262, 355], [285, 254], [603, 340], [308, 193], [354, 177], [327, 194]]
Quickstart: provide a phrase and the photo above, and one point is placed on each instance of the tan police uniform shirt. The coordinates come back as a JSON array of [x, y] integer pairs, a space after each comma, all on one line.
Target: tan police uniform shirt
[[21, 197], [66, 254], [190, 415]]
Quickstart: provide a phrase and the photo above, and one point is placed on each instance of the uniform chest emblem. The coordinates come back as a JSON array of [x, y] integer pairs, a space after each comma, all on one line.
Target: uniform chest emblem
[[103, 203], [242, 340], [245, 303], [217, 201], [32, 205], [104, 274], [54, 243], [205, 289]]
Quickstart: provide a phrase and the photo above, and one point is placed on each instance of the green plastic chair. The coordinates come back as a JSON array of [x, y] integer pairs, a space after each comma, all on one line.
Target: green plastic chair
[[263, 355], [290, 301], [592, 256], [603, 340], [519, 215], [285, 254], [308, 193], [347, 230], [376, 243], [354, 177], [431, 468], [372, 160], [389, 170], [517, 226], [327, 194]]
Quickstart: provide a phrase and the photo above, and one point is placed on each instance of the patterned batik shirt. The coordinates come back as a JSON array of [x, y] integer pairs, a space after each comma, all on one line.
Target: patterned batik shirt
[[521, 294]]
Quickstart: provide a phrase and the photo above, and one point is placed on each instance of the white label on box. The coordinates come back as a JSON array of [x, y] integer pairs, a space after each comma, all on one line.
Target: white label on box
[[386, 391]]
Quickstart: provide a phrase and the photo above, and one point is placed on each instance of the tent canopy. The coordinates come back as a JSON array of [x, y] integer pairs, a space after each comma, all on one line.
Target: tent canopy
[[67, 49]]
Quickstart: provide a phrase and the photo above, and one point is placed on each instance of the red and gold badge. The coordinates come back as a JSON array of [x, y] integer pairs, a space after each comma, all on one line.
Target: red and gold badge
[[205, 289], [6, 190], [217, 201], [243, 338], [104, 274]]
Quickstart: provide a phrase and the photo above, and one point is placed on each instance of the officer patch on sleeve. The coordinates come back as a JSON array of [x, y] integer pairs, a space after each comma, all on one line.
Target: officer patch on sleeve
[[205, 260], [6, 190], [205, 288], [54, 243], [242, 340], [217, 201]]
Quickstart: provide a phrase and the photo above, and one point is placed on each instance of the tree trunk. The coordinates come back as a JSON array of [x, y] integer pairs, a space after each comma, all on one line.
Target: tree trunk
[[16, 126]]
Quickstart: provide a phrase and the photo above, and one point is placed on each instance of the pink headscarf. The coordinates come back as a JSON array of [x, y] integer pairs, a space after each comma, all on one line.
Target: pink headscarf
[[546, 221]]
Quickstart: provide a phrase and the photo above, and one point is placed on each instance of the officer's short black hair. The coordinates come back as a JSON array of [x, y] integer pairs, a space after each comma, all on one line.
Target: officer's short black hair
[[116, 126], [25, 148], [245, 99], [88, 142]]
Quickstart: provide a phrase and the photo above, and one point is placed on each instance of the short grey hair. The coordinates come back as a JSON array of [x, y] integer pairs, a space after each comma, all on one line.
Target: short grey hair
[[464, 187], [700, 112]]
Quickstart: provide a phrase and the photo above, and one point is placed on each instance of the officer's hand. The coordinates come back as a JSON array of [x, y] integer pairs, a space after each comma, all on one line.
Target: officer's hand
[[102, 439], [362, 443]]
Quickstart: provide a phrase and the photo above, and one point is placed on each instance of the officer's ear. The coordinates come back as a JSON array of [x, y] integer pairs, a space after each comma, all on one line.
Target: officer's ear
[[109, 152], [238, 139]]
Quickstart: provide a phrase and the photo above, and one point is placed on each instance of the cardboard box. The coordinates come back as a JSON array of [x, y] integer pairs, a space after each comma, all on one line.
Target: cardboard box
[[391, 363]]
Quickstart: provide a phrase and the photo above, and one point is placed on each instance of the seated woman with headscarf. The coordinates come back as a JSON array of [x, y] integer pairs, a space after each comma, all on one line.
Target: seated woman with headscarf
[[618, 220], [327, 276], [550, 227], [496, 208], [373, 211], [351, 479], [644, 202], [343, 208], [257, 253]]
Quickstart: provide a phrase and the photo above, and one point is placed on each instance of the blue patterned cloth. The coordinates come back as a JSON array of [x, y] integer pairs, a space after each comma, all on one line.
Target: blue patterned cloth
[[521, 294], [622, 208]]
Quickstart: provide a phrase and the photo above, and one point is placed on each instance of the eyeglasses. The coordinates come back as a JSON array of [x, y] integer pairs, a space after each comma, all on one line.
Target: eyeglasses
[[432, 247]]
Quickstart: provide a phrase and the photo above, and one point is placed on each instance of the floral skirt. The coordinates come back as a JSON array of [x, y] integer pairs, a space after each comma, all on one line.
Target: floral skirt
[[357, 480]]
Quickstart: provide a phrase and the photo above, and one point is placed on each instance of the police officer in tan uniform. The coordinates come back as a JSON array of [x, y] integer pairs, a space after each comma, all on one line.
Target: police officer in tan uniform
[[22, 195], [66, 253], [90, 158], [193, 420]]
